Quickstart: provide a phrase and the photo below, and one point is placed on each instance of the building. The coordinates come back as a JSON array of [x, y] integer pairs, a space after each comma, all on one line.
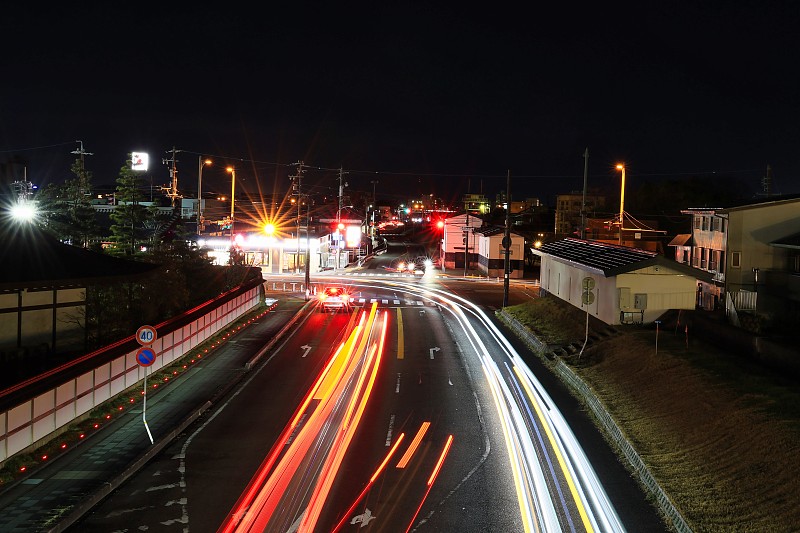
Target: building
[[704, 248], [491, 252], [43, 290], [616, 284], [752, 252], [476, 204], [569, 210], [459, 242], [762, 269]]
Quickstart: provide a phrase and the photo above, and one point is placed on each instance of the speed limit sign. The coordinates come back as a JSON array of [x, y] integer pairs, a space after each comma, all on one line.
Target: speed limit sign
[[145, 335]]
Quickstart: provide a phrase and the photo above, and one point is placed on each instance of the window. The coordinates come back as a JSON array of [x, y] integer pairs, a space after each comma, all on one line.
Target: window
[[736, 259], [697, 222]]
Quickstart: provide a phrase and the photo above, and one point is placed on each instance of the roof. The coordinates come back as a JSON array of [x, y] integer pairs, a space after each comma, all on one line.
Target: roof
[[790, 241], [30, 257], [764, 202], [489, 231], [611, 259], [682, 239]]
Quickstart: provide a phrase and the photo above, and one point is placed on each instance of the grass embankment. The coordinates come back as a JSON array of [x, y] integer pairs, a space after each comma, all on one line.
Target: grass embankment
[[719, 433]]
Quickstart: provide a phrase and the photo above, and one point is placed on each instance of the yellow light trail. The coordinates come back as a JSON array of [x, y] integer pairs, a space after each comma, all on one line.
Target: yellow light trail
[[561, 462], [414, 445], [353, 416], [400, 341], [527, 523]]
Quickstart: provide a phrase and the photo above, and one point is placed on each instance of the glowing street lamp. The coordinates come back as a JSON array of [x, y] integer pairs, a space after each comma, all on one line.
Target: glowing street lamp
[[233, 197], [23, 212], [269, 228], [200, 164], [621, 167]]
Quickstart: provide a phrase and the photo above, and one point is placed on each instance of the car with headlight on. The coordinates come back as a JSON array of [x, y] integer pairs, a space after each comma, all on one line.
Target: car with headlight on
[[335, 298], [416, 266]]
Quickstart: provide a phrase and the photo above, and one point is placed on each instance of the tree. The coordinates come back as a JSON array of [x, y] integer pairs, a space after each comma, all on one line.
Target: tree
[[129, 216], [67, 209]]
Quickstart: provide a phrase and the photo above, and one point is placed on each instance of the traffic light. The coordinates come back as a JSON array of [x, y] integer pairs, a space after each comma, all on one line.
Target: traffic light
[[440, 224], [464, 240]]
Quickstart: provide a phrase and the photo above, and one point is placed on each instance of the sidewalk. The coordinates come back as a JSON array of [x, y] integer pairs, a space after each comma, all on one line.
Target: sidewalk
[[56, 495]]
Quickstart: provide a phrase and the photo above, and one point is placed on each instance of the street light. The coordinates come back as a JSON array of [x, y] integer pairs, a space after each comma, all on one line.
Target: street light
[[200, 164], [233, 192], [621, 167]]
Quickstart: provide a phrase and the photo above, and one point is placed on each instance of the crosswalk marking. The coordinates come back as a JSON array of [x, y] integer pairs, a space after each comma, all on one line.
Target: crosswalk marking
[[385, 301]]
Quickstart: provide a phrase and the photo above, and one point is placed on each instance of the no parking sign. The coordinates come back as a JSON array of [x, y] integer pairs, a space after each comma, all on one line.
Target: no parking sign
[[145, 356]]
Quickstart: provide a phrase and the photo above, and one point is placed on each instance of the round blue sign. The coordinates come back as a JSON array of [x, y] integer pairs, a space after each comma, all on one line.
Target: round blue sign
[[145, 356]]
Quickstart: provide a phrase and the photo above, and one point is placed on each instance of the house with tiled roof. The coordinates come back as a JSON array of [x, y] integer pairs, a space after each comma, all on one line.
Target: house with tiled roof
[[617, 284]]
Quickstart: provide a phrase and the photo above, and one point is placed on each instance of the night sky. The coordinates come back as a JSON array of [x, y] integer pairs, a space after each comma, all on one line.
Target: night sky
[[420, 99]]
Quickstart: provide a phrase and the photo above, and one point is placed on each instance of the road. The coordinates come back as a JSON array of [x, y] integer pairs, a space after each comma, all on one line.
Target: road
[[411, 413]]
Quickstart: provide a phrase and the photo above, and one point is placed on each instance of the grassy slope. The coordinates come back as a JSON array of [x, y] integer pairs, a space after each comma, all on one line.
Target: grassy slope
[[721, 435]]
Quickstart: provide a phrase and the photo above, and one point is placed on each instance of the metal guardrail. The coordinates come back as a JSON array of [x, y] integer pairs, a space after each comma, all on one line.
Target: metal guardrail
[[566, 374]]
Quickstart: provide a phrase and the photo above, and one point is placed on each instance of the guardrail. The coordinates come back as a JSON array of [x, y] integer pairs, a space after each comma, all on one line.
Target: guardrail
[[607, 422]]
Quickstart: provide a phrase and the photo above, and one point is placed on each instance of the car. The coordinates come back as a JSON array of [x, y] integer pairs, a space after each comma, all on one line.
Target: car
[[411, 266], [335, 298]]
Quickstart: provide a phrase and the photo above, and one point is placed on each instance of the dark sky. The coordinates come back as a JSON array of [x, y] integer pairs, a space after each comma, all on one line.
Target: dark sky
[[419, 98]]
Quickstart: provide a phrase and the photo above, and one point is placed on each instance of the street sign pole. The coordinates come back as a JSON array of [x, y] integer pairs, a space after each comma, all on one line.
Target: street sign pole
[[587, 298], [144, 407], [145, 336]]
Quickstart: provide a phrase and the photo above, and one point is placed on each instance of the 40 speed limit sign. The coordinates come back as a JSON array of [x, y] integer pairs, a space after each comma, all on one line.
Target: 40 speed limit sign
[[146, 335]]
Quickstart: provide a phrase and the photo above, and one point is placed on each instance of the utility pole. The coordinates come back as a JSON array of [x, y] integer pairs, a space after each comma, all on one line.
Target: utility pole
[[507, 240], [342, 185], [374, 205], [297, 189], [172, 190], [466, 232], [583, 204], [84, 184]]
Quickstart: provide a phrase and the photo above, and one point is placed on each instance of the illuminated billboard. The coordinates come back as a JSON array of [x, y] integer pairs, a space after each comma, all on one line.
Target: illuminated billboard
[[139, 161]]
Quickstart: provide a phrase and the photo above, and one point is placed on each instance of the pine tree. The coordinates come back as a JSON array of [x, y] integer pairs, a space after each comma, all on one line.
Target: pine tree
[[67, 210], [129, 216]]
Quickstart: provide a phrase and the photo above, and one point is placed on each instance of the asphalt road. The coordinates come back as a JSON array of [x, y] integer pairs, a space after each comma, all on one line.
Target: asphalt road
[[195, 481]]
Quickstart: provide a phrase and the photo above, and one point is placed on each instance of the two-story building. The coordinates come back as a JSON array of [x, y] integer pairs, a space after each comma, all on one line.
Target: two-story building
[[704, 248], [753, 254], [762, 274]]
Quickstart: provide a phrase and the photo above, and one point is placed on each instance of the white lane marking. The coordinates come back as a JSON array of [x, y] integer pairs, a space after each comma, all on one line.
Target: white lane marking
[[391, 430]]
